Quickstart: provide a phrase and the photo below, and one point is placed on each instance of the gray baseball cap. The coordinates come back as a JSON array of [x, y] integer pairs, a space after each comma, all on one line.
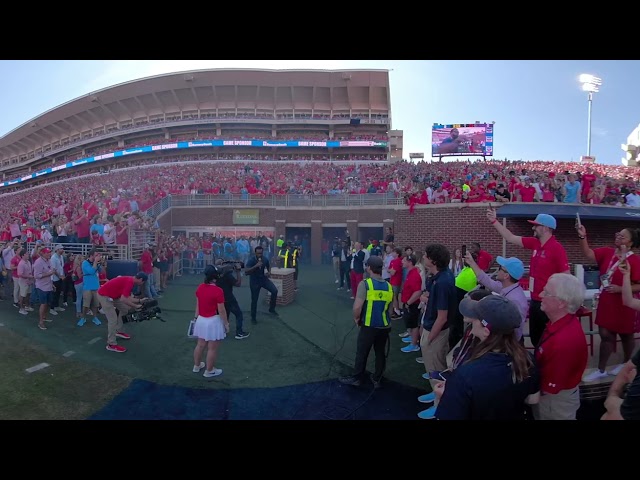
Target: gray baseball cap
[[497, 313]]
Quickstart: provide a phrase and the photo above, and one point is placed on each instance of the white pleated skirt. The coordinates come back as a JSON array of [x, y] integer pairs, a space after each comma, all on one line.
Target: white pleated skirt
[[209, 328]]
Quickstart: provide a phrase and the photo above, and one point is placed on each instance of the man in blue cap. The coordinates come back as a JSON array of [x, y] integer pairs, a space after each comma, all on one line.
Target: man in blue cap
[[548, 258], [507, 284]]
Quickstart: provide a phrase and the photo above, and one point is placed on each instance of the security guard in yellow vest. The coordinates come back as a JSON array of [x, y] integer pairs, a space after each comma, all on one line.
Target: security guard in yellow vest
[[371, 314], [290, 259]]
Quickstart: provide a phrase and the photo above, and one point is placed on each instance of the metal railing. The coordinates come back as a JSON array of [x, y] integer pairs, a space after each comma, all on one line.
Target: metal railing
[[117, 252], [275, 201], [137, 240]]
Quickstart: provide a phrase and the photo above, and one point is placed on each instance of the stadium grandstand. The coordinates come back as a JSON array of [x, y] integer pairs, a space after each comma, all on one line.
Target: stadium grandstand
[[166, 174]]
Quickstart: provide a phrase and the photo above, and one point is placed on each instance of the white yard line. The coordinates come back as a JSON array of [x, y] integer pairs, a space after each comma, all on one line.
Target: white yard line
[[35, 368]]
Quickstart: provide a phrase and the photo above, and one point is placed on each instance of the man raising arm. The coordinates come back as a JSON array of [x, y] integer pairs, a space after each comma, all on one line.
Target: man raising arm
[[548, 258]]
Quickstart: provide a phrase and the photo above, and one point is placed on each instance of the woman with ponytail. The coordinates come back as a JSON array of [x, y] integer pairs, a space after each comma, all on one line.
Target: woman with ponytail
[[212, 324], [499, 377], [612, 316]]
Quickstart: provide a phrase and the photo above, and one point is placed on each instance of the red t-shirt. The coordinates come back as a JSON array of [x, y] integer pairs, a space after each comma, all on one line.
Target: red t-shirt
[[209, 297], [147, 262], [527, 193], [485, 259], [546, 260], [562, 355], [412, 284], [117, 287], [396, 279]]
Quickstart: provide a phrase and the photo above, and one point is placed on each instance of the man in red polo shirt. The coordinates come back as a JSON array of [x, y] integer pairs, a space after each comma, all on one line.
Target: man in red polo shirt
[[485, 259], [116, 294], [561, 355], [548, 258]]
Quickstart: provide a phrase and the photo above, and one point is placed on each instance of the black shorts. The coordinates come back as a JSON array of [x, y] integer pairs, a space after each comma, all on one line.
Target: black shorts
[[411, 316]]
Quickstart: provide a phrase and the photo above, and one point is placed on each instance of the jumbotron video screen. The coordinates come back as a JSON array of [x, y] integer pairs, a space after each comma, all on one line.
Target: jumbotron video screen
[[462, 139]]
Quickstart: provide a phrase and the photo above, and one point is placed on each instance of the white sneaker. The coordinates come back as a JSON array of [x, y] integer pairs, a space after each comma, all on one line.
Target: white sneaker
[[28, 309], [60, 309], [101, 311], [337, 281], [22, 311], [53, 312], [403, 334], [198, 368], [595, 375], [65, 304], [419, 359], [213, 373], [616, 370]]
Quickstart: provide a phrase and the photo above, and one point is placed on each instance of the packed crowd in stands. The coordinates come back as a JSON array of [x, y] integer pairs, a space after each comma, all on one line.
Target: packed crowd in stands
[[418, 183], [118, 201]]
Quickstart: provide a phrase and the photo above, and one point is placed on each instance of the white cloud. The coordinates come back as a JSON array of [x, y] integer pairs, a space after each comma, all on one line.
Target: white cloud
[[599, 131]]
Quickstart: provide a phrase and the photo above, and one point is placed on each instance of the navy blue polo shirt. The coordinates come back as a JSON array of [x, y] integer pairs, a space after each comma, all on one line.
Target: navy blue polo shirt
[[483, 389], [257, 276], [442, 296]]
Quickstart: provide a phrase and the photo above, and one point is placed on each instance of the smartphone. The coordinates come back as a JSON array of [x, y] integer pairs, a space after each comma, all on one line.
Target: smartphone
[[463, 250], [443, 376], [578, 220]]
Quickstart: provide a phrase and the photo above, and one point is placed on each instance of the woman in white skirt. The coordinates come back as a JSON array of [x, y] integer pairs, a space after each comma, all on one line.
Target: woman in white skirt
[[212, 324]]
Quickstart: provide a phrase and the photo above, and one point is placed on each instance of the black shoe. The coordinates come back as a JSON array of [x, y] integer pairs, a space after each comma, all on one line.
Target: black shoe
[[273, 312], [241, 335], [352, 380], [254, 321], [376, 383]]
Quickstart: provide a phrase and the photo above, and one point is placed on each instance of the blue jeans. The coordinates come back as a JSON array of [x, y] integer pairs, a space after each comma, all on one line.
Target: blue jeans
[[79, 289], [255, 294], [233, 307]]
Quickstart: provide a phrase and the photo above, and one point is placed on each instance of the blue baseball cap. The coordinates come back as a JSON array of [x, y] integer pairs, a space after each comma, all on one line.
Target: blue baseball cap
[[544, 220], [512, 265]]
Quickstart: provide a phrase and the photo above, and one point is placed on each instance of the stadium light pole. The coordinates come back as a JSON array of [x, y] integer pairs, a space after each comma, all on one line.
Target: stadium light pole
[[591, 85]]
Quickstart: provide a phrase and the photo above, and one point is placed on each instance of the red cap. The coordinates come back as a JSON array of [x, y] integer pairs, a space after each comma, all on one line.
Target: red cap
[[45, 250]]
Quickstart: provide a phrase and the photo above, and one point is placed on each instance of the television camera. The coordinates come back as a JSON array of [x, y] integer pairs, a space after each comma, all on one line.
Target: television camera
[[149, 311], [222, 268]]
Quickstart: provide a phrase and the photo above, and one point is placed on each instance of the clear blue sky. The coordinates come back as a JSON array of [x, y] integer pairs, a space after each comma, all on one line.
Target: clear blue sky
[[538, 106]]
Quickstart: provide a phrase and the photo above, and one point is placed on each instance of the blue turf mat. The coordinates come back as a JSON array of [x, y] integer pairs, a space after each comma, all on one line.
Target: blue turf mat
[[144, 400]]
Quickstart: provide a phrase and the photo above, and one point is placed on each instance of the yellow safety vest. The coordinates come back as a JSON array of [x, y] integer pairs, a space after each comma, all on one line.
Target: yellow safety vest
[[294, 258], [376, 311]]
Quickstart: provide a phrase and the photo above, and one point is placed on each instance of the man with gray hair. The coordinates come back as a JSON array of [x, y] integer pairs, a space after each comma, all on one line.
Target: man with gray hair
[[561, 354]]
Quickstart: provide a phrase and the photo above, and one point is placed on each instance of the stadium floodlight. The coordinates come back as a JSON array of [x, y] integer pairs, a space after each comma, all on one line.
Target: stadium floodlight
[[590, 84]]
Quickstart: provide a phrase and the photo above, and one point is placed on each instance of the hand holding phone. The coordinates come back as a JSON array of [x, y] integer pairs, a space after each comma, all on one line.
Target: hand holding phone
[[463, 251], [442, 376]]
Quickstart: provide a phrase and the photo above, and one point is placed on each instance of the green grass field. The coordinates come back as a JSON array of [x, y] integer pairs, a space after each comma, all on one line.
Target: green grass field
[[312, 340]]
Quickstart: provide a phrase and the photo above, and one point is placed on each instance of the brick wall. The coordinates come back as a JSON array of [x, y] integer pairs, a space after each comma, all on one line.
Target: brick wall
[[448, 224]]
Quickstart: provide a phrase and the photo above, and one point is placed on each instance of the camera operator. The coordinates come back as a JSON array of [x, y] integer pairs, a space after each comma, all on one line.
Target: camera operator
[[116, 300], [230, 278]]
